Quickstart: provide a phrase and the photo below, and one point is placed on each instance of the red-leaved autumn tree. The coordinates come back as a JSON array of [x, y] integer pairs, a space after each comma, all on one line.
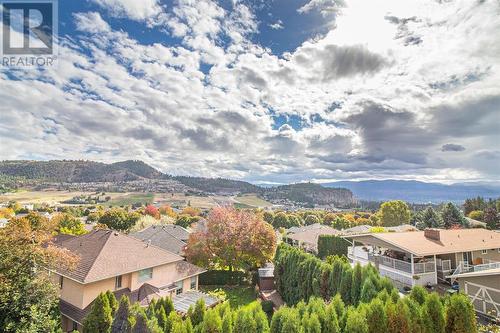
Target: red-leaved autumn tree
[[232, 239], [152, 211]]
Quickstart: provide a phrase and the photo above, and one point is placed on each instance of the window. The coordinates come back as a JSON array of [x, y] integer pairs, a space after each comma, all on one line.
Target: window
[[484, 252], [145, 274], [193, 282], [178, 287], [118, 282], [75, 326], [61, 281]]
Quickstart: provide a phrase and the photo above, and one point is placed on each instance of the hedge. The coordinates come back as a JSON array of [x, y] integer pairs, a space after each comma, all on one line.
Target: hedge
[[221, 277], [332, 245]]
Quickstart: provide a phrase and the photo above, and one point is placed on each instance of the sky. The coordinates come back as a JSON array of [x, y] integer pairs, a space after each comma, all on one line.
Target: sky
[[267, 91]]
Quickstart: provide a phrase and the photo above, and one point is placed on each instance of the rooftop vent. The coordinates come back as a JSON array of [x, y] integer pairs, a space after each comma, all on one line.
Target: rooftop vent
[[432, 234]]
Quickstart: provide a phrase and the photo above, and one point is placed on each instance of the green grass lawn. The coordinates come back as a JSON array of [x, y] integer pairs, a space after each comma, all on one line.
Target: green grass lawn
[[237, 296], [252, 200]]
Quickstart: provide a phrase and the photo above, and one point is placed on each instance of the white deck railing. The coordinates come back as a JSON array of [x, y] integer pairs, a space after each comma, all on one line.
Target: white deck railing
[[396, 264], [443, 265]]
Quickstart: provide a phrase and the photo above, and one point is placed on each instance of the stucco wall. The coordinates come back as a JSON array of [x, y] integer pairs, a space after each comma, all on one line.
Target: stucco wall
[[162, 277], [492, 255]]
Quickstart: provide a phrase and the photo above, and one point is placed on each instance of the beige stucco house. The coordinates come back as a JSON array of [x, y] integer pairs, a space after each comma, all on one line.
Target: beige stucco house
[[426, 257], [109, 260]]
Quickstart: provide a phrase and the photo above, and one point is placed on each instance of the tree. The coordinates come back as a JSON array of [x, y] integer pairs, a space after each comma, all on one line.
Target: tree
[[244, 322], [227, 323], [452, 217], [376, 317], [398, 317], [122, 321], [191, 211], [233, 239], [332, 245], [167, 210], [152, 211], [476, 215], [429, 219], [346, 286], [491, 218], [99, 319], [186, 221], [418, 294], [68, 224], [119, 219], [29, 299], [113, 304], [141, 323], [198, 312], [394, 213], [211, 322], [311, 324], [433, 313], [281, 220], [311, 219], [355, 322], [357, 281], [460, 315]]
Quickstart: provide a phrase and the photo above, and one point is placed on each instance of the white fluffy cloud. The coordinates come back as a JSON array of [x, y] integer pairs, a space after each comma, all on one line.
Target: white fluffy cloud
[[392, 91]]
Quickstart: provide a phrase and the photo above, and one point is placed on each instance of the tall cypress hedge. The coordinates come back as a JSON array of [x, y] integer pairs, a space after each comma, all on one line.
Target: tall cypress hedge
[[299, 276], [332, 245]]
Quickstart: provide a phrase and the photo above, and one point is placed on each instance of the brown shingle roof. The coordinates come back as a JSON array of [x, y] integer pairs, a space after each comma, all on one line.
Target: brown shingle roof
[[105, 253], [450, 241], [311, 235]]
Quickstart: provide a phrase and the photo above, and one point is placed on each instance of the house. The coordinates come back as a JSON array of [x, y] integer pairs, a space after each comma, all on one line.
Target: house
[[426, 257], [109, 260], [170, 237], [483, 288], [307, 237], [3, 222]]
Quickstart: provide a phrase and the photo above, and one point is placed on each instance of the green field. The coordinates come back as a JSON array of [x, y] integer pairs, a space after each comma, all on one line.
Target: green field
[[252, 200], [127, 199]]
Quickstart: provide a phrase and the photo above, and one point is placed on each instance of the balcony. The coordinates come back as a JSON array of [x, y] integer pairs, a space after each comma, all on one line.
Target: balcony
[[359, 255], [464, 267]]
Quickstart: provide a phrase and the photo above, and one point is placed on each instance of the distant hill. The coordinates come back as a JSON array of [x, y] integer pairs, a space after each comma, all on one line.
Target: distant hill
[[65, 171], [415, 191], [218, 185], [310, 193], [79, 171]]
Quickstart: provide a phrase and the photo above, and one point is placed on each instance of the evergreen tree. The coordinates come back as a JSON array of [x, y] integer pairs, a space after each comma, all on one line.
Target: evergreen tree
[[368, 292], [188, 325], [141, 323], [172, 318], [398, 320], [121, 322], [198, 312], [113, 303], [376, 317], [429, 219], [345, 286], [356, 322], [262, 324], [415, 315], [291, 323], [460, 315], [99, 319], [310, 323], [418, 294], [331, 324], [433, 314], [451, 216], [356, 284], [227, 323], [244, 322], [161, 317], [179, 327], [211, 322]]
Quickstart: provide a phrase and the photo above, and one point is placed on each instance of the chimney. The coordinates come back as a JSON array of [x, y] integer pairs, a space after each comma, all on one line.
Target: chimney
[[432, 234]]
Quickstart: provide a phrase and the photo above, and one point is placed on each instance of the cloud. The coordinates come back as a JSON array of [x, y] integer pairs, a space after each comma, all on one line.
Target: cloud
[[325, 7], [357, 102], [452, 147], [91, 22], [132, 9], [278, 25]]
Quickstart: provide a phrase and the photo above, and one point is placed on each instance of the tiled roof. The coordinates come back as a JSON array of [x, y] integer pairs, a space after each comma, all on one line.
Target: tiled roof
[[168, 237], [311, 235], [105, 253], [450, 241]]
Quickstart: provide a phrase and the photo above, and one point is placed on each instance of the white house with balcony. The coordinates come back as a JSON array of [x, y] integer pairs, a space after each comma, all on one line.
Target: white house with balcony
[[429, 256]]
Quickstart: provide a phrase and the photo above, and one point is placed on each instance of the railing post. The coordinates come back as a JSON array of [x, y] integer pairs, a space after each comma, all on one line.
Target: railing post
[[412, 269]]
